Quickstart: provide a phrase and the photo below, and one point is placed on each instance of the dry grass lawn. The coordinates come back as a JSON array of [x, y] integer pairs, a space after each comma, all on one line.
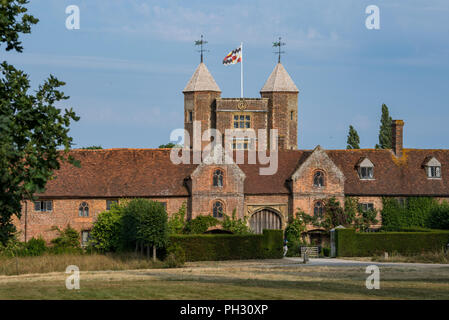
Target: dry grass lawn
[[268, 279]]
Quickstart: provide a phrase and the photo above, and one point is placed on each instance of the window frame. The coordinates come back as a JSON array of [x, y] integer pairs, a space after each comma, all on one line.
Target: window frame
[[43, 205], [83, 207], [369, 173], [214, 174], [247, 123], [436, 170], [323, 178], [84, 244], [321, 207], [366, 206], [222, 209], [109, 202]]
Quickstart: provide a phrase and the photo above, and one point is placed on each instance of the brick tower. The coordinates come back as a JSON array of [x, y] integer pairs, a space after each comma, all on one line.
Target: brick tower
[[200, 94], [282, 95]]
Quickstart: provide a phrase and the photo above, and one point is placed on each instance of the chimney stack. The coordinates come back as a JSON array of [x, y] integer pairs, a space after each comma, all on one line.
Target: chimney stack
[[397, 127]]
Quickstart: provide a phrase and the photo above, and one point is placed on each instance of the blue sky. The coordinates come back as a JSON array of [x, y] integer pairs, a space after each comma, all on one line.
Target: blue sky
[[126, 67]]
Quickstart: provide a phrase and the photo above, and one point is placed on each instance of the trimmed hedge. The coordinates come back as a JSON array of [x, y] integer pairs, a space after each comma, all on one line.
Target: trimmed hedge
[[361, 244], [213, 247]]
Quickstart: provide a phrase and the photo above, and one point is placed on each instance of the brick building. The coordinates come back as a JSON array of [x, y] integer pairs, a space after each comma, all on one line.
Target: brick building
[[304, 179]]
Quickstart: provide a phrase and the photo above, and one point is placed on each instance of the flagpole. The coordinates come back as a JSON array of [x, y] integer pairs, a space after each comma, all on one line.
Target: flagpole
[[241, 70]]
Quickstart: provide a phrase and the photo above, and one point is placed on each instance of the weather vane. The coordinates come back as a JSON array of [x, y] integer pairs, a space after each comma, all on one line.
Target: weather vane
[[279, 44], [201, 43]]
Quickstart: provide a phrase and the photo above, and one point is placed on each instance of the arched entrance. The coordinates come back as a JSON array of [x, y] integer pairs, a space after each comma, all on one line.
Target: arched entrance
[[264, 219]]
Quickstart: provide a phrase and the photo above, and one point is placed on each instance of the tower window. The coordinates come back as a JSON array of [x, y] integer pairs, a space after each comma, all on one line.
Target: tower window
[[318, 179], [291, 115], [218, 178], [190, 116], [218, 209], [242, 121]]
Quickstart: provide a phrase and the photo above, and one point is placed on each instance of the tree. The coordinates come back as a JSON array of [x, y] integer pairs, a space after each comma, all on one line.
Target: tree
[[353, 139], [93, 148], [152, 229], [385, 129], [32, 129], [167, 146], [106, 230]]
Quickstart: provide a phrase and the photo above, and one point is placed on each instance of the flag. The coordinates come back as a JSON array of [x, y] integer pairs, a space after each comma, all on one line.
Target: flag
[[235, 56]]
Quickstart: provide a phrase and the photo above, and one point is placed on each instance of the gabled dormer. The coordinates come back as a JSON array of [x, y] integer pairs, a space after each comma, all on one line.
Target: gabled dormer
[[365, 169], [432, 167]]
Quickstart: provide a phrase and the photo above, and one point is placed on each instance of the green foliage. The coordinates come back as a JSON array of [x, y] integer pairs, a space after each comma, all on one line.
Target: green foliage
[[351, 215], [68, 238], [144, 222], [361, 244], [200, 224], [106, 230], [32, 129], [93, 148], [325, 252], [385, 139], [295, 228], [205, 247], [177, 223], [152, 227], [236, 226], [415, 213], [353, 140], [167, 146], [13, 21], [176, 257], [439, 217], [35, 247]]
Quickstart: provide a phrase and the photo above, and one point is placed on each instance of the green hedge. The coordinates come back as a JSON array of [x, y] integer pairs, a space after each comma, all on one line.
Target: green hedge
[[354, 244], [213, 247]]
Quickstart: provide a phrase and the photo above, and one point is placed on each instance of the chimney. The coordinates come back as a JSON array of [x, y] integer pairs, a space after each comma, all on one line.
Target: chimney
[[397, 127]]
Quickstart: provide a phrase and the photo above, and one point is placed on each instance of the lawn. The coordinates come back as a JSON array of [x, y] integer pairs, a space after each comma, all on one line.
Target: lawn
[[268, 279]]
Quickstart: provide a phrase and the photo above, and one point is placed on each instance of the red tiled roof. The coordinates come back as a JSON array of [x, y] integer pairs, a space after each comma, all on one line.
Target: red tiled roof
[[149, 172], [120, 173], [393, 176]]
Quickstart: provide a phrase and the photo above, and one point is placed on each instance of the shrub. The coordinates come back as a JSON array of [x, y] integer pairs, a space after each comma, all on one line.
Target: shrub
[[68, 240], [415, 213], [177, 223], [294, 248], [295, 228], [234, 225], [215, 247], [200, 224], [352, 244], [176, 256], [325, 252], [35, 247], [106, 230], [439, 217]]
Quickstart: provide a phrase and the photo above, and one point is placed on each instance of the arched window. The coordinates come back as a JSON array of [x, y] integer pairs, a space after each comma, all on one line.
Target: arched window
[[83, 210], [218, 178], [318, 209], [318, 179], [218, 209]]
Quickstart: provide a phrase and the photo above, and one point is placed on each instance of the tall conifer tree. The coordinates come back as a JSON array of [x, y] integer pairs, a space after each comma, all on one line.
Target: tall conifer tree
[[353, 139], [385, 129]]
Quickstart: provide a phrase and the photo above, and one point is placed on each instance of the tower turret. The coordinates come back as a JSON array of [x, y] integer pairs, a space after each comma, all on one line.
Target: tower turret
[[200, 94], [282, 95]]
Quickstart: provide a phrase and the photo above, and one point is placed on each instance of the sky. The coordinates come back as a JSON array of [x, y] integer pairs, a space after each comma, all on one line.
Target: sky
[[126, 67]]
